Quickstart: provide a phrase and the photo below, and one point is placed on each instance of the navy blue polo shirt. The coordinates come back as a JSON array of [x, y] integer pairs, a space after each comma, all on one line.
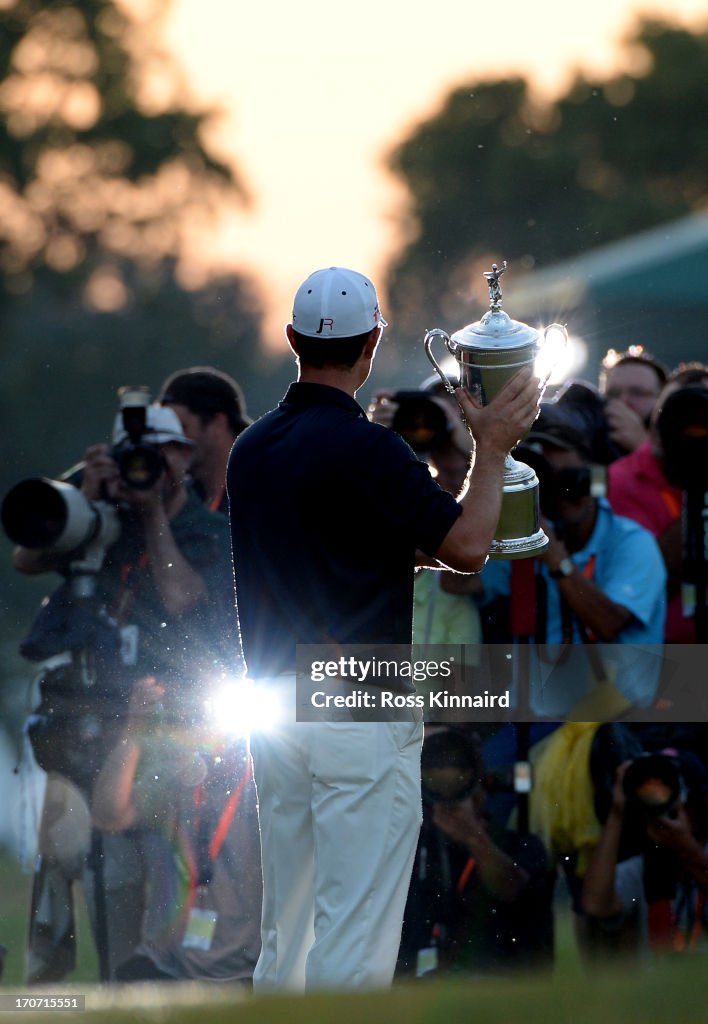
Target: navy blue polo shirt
[[327, 511]]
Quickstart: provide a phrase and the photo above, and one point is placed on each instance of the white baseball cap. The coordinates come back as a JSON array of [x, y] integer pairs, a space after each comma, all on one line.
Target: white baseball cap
[[162, 425], [336, 303]]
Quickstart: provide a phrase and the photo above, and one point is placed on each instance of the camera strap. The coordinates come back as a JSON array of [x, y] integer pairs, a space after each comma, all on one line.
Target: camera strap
[[569, 621], [677, 924], [672, 500], [131, 577], [208, 847], [689, 916], [465, 875], [568, 616], [215, 503]]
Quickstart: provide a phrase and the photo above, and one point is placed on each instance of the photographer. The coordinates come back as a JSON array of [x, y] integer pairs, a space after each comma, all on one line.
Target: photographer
[[212, 410], [599, 586], [182, 780], [631, 382], [179, 586], [159, 605], [656, 897], [428, 419], [639, 488], [480, 897]]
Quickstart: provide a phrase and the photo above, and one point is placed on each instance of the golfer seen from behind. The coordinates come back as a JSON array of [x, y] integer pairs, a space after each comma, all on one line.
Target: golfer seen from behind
[[329, 516]]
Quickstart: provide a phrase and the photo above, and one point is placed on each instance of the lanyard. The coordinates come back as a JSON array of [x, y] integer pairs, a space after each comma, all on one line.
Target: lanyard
[[687, 937], [129, 585], [439, 930], [673, 504], [208, 848], [465, 875], [667, 931], [216, 501], [567, 616]]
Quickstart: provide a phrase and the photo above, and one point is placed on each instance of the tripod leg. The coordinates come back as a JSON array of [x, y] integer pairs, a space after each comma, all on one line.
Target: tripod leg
[[99, 898]]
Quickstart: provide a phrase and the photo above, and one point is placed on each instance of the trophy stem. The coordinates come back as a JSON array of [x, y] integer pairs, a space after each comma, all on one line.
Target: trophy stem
[[518, 534]]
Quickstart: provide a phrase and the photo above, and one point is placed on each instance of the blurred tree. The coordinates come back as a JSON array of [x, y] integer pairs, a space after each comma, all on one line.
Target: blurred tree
[[100, 160], [496, 175], [105, 178]]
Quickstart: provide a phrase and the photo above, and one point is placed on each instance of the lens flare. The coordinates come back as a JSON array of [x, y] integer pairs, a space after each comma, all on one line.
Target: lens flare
[[237, 708], [559, 360]]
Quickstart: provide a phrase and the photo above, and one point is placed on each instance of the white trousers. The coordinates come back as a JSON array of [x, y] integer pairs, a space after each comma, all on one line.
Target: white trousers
[[339, 810]]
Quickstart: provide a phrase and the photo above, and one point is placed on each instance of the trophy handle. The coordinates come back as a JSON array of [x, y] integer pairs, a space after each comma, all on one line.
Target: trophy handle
[[437, 332], [564, 334]]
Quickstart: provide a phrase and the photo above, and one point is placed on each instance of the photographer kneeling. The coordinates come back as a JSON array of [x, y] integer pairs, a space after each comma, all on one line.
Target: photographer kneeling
[[178, 776], [480, 897], [656, 897]]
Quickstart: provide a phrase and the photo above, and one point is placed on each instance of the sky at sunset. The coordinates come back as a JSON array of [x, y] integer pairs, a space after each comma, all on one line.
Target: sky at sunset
[[315, 93]]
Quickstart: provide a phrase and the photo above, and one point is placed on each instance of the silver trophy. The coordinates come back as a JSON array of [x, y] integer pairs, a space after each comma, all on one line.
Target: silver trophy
[[489, 352]]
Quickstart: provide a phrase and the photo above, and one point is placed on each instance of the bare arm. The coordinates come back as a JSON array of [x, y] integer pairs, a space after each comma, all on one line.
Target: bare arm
[[496, 428], [181, 586], [499, 874], [113, 806], [31, 562], [601, 616], [599, 896], [626, 427]]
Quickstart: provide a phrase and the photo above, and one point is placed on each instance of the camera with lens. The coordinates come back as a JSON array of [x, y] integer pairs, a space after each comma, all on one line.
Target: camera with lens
[[555, 485], [654, 785], [140, 462], [451, 766], [54, 516], [420, 421], [78, 643], [683, 431], [580, 406]]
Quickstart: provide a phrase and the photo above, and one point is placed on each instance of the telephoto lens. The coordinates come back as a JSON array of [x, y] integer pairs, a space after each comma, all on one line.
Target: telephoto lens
[[653, 784]]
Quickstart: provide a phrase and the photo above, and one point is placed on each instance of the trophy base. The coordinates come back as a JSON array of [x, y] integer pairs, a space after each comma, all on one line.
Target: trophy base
[[519, 547], [518, 533]]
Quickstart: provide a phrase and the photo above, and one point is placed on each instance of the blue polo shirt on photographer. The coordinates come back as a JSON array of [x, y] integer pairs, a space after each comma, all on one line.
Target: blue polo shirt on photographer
[[626, 564], [325, 552]]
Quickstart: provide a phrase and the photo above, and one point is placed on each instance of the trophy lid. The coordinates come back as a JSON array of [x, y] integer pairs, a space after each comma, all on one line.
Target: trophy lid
[[496, 330]]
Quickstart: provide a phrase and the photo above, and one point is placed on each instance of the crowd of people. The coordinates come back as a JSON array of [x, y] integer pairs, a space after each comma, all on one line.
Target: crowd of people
[[289, 859]]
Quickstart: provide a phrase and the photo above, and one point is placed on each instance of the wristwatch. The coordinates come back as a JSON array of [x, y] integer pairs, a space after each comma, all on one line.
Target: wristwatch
[[565, 569]]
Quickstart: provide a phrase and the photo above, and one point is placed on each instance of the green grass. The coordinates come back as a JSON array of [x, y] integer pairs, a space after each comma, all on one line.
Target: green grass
[[15, 895], [672, 992]]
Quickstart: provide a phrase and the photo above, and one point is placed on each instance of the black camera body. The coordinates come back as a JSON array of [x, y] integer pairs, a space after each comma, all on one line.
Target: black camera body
[[451, 766], [140, 465], [580, 407], [683, 431], [569, 484], [420, 421], [140, 462]]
